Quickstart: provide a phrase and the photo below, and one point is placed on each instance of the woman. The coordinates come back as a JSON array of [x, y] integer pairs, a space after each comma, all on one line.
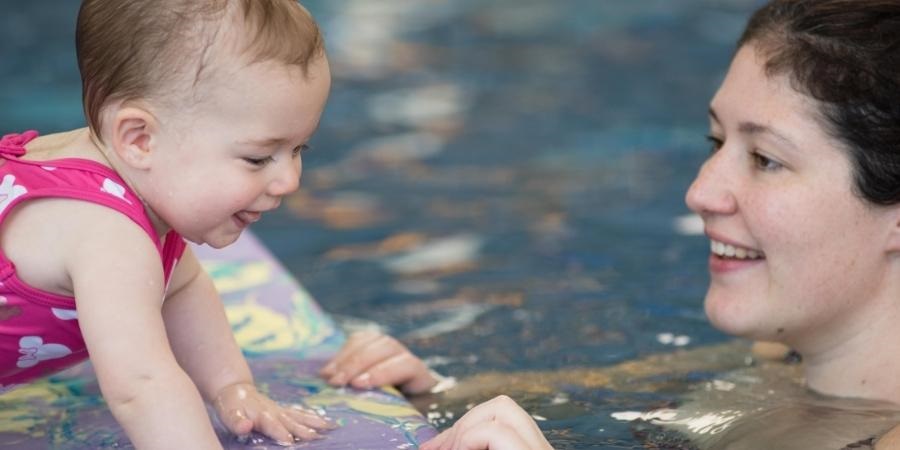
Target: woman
[[800, 198]]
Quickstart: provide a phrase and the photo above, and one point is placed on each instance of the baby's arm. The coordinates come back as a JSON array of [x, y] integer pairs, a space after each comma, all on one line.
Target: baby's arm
[[118, 285], [200, 335], [204, 345], [369, 359]]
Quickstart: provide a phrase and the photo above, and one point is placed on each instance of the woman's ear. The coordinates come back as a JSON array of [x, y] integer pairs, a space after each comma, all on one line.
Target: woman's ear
[[132, 131], [893, 241]]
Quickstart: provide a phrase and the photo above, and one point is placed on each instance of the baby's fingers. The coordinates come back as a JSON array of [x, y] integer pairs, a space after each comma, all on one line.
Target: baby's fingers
[[237, 422], [301, 430], [308, 418], [272, 425]]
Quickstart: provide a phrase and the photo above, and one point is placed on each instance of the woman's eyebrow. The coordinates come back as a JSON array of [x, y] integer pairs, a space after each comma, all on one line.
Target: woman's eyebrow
[[757, 128]]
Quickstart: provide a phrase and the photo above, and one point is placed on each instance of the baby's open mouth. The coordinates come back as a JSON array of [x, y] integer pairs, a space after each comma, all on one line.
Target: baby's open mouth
[[248, 217]]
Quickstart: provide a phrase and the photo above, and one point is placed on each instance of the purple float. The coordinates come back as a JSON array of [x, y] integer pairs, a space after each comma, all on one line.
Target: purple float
[[286, 337]]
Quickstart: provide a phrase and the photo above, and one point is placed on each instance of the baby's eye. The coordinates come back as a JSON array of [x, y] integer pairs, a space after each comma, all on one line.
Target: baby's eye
[[259, 162], [715, 144], [299, 149], [765, 163]]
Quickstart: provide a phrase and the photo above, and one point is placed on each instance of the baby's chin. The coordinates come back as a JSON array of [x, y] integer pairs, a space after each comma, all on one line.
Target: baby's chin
[[217, 241]]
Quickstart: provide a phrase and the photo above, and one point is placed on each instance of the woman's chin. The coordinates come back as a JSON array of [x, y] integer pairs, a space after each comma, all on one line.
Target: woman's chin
[[730, 320]]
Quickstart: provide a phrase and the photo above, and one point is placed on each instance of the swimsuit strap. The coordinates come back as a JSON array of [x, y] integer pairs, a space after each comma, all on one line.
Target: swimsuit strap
[[13, 144]]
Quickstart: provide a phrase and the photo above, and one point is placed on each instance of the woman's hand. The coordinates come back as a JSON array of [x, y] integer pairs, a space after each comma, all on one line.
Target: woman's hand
[[370, 359], [243, 409], [497, 424]]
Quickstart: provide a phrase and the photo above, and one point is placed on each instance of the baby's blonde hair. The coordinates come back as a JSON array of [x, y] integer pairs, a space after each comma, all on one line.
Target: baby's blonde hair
[[137, 49]]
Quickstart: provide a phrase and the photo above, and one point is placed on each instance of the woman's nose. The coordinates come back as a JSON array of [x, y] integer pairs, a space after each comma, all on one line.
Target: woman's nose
[[712, 191]]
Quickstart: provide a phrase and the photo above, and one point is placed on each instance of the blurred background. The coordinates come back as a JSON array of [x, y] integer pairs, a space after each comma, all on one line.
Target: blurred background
[[497, 183]]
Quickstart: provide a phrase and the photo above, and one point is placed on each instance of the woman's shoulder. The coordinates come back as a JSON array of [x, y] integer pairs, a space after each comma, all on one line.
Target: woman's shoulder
[[769, 403]]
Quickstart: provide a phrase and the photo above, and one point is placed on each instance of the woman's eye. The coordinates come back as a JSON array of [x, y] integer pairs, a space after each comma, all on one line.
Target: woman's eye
[[714, 144], [259, 162], [764, 163]]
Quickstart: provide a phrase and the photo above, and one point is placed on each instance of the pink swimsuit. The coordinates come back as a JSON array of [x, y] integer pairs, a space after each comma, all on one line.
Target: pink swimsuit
[[39, 332]]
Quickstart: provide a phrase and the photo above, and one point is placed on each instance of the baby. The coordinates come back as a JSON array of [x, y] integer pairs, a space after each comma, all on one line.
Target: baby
[[197, 113]]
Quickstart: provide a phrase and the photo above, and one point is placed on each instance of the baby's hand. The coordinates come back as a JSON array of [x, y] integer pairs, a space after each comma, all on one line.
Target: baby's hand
[[370, 359], [497, 424], [243, 409]]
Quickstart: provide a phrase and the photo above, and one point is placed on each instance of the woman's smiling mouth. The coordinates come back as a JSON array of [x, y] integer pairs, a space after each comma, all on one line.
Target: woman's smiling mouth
[[724, 250]]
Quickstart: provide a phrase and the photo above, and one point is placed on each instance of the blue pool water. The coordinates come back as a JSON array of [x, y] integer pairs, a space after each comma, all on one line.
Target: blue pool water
[[499, 183]]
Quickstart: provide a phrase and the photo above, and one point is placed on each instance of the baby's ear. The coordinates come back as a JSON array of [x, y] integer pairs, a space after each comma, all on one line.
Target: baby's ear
[[132, 130]]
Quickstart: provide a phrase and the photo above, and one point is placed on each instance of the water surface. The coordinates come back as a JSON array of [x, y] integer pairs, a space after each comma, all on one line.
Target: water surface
[[497, 183]]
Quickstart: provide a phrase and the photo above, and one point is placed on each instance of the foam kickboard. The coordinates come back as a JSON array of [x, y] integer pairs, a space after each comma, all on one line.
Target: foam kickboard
[[286, 337]]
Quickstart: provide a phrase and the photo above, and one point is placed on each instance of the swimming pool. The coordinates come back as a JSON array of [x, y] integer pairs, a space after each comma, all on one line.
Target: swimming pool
[[498, 183]]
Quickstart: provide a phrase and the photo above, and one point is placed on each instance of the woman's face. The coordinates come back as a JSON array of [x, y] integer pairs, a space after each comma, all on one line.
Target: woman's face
[[796, 256]]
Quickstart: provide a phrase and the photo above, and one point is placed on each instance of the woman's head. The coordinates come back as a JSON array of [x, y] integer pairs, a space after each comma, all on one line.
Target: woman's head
[[845, 54], [793, 195]]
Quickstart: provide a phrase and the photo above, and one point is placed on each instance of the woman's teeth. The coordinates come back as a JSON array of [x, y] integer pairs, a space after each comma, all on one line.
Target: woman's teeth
[[730, 251]]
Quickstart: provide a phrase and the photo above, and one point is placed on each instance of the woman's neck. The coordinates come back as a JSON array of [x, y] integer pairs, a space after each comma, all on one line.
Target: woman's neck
[[860, 360]]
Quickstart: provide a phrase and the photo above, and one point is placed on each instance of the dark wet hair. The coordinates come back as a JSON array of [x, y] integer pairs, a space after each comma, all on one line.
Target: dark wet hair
[[846, 55]]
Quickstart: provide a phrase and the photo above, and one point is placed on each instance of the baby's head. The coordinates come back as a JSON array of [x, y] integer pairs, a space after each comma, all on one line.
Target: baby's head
[[202, 105], [168, 51]]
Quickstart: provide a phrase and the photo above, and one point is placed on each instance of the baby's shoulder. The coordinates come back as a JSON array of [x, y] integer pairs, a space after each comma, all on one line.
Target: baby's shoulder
[[46, 237]]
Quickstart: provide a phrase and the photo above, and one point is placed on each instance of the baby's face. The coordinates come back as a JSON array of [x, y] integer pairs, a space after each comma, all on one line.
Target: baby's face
[[232, 154]]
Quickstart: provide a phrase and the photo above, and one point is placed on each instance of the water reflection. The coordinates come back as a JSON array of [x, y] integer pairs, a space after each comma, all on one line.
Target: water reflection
[[497, 182], [523, 165]]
